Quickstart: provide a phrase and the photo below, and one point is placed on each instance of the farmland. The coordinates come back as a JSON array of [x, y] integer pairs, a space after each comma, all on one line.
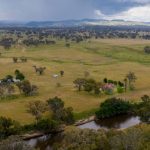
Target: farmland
[[111, 58]]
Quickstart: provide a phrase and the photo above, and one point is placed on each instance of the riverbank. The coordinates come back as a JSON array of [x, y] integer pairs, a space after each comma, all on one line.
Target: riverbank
[[84, 121], [118, 123], [39, 134]]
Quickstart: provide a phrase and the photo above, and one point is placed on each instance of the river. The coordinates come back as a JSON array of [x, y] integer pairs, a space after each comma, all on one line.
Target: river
[[120, 122]]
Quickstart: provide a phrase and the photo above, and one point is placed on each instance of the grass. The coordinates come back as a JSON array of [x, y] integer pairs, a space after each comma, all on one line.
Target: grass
[[85, 114], [102, 58]]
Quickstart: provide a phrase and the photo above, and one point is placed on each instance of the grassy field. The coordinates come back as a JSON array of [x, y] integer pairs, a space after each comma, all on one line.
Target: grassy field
[[102, 58]]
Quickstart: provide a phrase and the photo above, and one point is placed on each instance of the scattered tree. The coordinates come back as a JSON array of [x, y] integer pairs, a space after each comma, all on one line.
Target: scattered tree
[[15, 59], [147, 49], [59, 112], [39, 70], [19, 75], [79, 82], [26, 88], [62, 73], [23, 59], [36, 108], [8, 127], [131, 78]]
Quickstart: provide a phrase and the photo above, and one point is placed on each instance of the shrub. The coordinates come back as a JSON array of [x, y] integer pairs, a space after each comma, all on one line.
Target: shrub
[[8, 127], [120, 84], [144, 109], [14, 143], [47, 125], [26, 88], [108, 88], [113, 107], [105, 80], [6, 90], [19, 75], [120, 89], [147, 49], [15, 59]]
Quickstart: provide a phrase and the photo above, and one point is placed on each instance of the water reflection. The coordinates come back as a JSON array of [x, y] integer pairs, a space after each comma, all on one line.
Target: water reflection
[[119, 122], [44, 142]]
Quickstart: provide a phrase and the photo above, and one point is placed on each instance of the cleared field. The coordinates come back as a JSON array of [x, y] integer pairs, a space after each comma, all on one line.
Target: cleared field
[[102, 58]]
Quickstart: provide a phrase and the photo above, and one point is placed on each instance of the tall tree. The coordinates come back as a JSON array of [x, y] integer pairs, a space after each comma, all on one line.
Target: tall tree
[[36, 108], [131, 78]]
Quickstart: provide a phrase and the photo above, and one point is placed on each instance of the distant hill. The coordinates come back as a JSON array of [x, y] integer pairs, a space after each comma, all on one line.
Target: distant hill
[[73, 23]]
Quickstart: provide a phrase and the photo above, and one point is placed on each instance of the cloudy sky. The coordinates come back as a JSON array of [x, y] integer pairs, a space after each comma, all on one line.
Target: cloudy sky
[[44, 10]]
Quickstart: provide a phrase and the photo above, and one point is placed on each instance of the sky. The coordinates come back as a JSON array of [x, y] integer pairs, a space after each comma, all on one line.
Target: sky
[[51, 10]]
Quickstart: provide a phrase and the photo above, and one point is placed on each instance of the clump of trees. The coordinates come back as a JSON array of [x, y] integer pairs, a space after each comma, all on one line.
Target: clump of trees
[[15, 59], [37, 42], [143, 109], [88, 85], [59, 112], [26, 88], [113, 107], [36, 108], [48, 125], [9, 83], [108, 86], [60, 116], [135, 138], [7, 43], [111, 84], [14, 143], [22, 59], [8, 127], [6, 90]]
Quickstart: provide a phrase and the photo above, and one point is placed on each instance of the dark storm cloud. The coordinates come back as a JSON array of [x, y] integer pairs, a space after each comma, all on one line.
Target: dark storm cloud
[[62, 9]]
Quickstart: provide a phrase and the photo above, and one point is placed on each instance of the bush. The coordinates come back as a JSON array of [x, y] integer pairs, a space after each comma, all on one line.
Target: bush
[[147, 49], [105, 80], [113, 107], [47, 125], [14, 143], [8, 127], [108, 88], [120, 89], [143, 109], [27, 88], [89, 85], [20, 76], [6, 90]]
